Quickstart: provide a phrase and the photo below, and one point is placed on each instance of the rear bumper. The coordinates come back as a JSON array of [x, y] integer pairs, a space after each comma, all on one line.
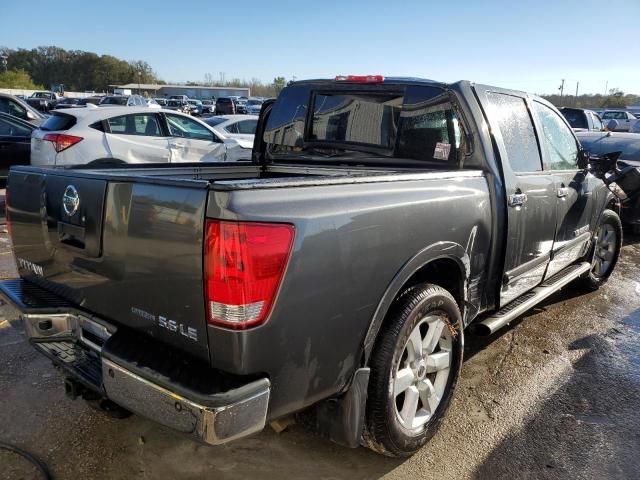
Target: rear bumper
[[94, 353]]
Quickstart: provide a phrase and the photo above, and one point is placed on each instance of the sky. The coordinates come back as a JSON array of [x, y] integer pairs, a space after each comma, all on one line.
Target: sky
[[520, 44]]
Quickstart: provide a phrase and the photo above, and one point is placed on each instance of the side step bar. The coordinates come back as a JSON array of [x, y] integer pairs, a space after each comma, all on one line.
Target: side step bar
[[520, 305]]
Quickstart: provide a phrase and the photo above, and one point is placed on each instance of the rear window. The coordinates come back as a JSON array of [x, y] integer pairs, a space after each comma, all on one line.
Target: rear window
[[576, 118], [412, 122], [213, 121], [114, 101], [224, 100], [57, 122]]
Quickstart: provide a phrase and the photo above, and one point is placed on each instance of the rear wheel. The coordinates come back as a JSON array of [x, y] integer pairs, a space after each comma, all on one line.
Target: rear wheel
[[414, 368], [607, 243]]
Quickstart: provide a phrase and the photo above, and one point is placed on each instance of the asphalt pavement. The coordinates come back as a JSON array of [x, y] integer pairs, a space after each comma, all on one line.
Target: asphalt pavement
[[556, 395]]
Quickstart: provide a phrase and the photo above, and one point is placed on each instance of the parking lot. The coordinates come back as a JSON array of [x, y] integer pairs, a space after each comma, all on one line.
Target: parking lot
[[555, 395]]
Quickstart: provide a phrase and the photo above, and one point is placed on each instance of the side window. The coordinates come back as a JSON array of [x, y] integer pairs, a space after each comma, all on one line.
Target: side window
[[138, 124], [12, 108], [428, 128], [512, 117], [9, 128], [247, 126], [233, 128], [597, 123], [558, 140], [185, 127]]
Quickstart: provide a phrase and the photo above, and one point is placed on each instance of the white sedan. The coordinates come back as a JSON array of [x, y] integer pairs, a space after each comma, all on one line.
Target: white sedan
[[241, 128], [128, 135]]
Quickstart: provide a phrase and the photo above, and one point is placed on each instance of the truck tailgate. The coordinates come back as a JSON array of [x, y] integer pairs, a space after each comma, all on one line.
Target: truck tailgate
[[128, 252]]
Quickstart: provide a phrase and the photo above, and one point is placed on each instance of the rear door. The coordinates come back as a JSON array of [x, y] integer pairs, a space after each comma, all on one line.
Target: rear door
[[137, 138], [193, 142], [530, 191], [574, 188]]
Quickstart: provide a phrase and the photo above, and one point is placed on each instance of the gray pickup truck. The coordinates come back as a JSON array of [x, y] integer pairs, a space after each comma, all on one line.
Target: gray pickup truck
[[333, 277]]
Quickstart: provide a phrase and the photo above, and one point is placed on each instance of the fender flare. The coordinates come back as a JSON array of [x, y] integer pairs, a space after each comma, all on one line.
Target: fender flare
[[440, 250]]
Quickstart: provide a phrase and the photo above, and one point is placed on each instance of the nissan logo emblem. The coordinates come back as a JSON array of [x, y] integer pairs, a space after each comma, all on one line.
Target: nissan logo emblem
[[70, 200]]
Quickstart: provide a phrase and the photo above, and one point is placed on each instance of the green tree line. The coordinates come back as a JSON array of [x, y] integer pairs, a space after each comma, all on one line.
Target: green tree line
[[75, 69], [614, 99]]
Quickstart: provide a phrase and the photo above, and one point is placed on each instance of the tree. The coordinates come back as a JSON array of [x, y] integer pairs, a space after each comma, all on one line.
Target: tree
[[279, 83], [17, 79]]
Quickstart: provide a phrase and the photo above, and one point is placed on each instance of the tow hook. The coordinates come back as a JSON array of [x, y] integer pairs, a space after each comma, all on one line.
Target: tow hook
[[73, 389]]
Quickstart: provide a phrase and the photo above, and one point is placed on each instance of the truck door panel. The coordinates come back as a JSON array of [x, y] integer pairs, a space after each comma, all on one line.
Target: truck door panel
[[530, 192], [574, 188]]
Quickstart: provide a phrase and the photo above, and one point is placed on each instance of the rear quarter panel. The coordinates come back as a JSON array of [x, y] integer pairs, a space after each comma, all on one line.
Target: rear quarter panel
[[351, 242]]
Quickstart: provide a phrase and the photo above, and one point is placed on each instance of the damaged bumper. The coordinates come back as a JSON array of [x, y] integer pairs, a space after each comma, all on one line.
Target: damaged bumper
[[208, 405]]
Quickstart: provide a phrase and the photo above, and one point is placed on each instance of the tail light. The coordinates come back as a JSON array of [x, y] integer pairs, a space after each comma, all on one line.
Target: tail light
[[61, 141], [360, 78], [244, 265]]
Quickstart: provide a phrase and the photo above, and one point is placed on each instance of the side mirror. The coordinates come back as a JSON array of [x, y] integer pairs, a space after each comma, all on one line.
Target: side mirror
[[583, 159], [612, 125], [31, 115]]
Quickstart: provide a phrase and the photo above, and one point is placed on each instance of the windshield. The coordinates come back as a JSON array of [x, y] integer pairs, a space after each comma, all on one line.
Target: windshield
[[113, 101], [408, 122], [254, 102]]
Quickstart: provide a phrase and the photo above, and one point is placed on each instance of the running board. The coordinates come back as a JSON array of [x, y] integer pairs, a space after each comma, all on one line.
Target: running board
[[520, 305]]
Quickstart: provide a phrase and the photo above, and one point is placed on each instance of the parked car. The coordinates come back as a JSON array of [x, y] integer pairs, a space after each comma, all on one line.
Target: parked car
[[127, 135], [337, 274], [582, 120], [225, 106], [625, 119], [209, 106], [122, 101], [196, 107], [151, 103], [20, 109], [253, 106], [241, 107], [161, 101], [179, 106], [240, 127], [601, 144], [95, 100], [44, 101], [67, 103], [15, 144]]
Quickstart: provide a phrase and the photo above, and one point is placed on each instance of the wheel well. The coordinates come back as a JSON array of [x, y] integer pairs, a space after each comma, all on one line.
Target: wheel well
[[444, 272]]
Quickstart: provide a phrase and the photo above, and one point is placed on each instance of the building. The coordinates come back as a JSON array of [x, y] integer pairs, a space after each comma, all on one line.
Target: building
[[191, 91]]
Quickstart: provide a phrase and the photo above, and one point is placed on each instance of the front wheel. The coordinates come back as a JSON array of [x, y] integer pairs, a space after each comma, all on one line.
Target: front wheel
[[414, 368], [605, 251]]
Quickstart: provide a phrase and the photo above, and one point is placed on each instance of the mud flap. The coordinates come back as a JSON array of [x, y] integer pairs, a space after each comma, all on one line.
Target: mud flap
[[341, 419]]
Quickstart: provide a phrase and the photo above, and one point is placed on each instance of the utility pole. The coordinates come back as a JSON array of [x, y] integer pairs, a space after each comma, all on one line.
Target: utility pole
[[606, 88], [561, 89], [577, 85]]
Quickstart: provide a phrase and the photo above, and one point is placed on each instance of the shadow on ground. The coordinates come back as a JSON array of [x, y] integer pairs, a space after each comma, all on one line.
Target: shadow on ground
[[589, 427]]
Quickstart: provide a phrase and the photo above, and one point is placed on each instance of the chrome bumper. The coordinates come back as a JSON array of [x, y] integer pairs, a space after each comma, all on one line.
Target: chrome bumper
[[211, 424], [74, 342]]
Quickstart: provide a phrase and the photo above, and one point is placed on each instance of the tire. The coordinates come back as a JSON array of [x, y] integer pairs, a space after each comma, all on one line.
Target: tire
[[390, 426], [605, 251]]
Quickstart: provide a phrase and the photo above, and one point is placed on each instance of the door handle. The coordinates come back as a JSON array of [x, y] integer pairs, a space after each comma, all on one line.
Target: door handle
[[517, 199], [176, 145], [563, 192]]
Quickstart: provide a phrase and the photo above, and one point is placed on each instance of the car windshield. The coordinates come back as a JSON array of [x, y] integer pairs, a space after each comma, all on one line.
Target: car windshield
[[576, 118], [114, 101], [40, 95], [254, 102]]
